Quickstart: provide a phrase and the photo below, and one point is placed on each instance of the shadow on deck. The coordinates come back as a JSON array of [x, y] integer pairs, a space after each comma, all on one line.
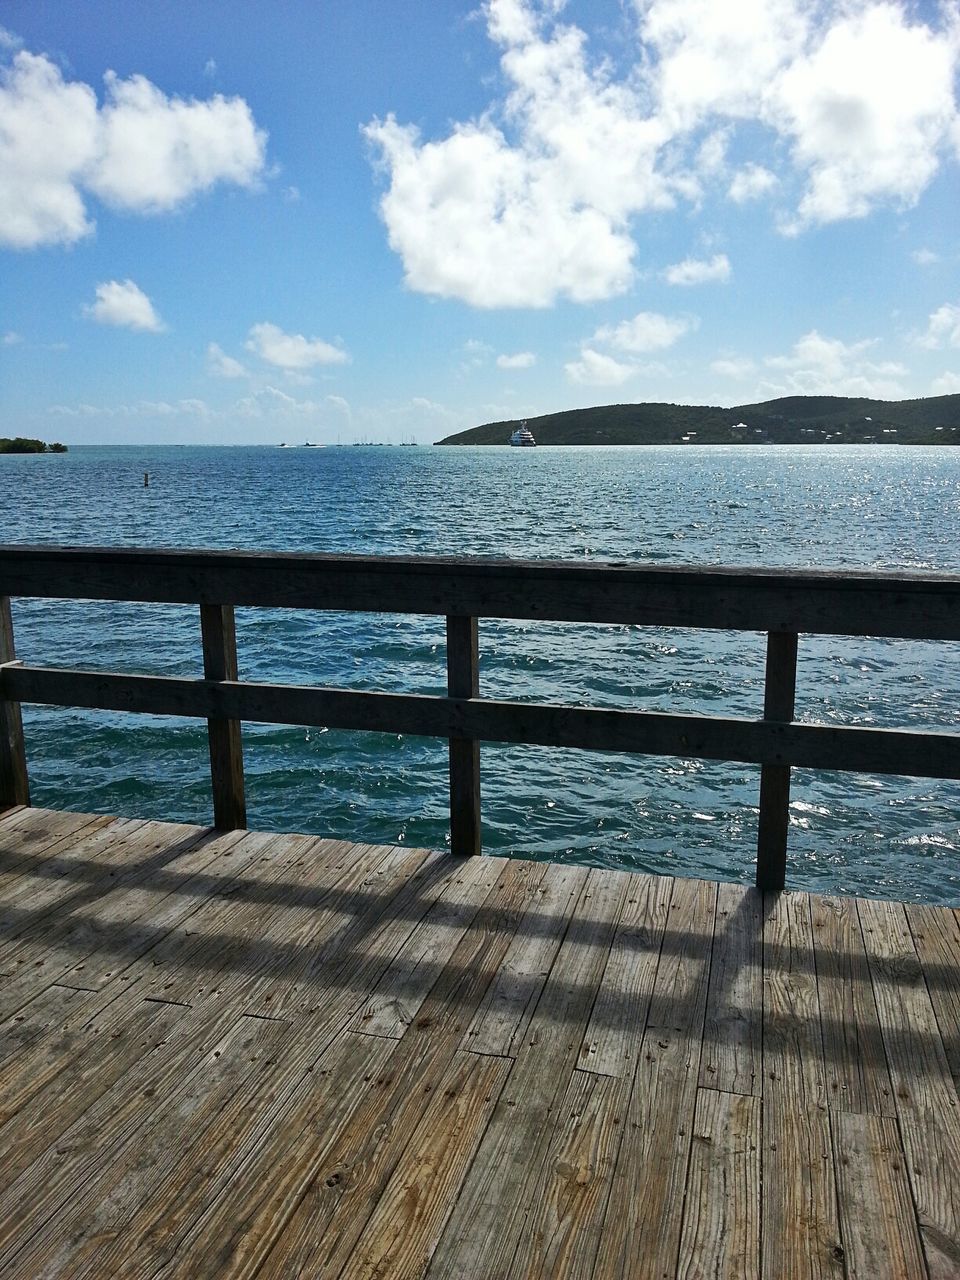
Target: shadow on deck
[[249, 1054]]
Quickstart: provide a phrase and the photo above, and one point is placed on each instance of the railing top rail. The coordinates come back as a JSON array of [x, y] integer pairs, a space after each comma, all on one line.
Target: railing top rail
[[825, 601]]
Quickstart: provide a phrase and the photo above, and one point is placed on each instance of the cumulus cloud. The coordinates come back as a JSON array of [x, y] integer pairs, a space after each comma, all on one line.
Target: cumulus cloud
[[699, 270], [647, 331], [946, 385], [750, 183], [925, 257], [943, 328], [124, 304], [292, 350], [10, 339], [140, 151], [220, 365], [595, 369], [522, 360], [818, 365], [733, 367], [846, 105]]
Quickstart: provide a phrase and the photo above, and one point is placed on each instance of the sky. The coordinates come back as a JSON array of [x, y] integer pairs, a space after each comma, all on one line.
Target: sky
[[252, 223]]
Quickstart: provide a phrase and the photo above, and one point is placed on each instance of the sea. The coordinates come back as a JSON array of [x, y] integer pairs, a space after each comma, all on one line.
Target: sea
[[872, 507]]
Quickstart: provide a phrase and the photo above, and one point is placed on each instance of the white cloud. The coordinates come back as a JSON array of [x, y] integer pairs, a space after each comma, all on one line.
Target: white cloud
[[292, 350], [845, 105], [522, 360], [594, 369], [750, 183], [210, 68], [943, 328], [867, 111], [699, 271], [946, 385], [827, 366], [925, 257], [10, 339], [733, 367], [140, 151], [220, 365], [124, 304], [647, 331]]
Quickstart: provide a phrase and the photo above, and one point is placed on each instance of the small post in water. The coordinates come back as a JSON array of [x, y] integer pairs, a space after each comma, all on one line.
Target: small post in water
[[463, 681]]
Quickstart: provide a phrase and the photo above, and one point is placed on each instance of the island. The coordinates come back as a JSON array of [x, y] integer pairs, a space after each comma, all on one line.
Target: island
[[789, 420], [21, 444]]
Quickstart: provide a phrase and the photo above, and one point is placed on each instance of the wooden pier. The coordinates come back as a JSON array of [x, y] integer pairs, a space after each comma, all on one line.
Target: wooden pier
[[234, 1054], [227, 1053]]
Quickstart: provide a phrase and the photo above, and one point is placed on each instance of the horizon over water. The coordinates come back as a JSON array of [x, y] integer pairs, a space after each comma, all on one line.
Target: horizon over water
[[883, 507]]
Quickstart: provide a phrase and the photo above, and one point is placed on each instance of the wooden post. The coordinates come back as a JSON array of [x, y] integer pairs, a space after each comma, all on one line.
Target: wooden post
[[14, 785], [219, 635], [778, 704], [463, 681]]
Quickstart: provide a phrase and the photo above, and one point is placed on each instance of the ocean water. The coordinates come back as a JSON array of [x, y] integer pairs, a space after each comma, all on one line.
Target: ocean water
[[888, 507]]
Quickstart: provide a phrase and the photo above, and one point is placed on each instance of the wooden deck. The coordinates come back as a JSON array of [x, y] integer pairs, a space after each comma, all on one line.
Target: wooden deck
[[255, 1055]]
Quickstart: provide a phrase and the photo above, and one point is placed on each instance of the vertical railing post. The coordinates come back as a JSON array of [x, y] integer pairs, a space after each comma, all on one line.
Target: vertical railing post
[[218, 630], [778, 705], [463, 681], [14, 784]]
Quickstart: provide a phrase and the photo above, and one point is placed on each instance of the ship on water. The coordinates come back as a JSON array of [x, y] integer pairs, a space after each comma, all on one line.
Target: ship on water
[[523, 437]]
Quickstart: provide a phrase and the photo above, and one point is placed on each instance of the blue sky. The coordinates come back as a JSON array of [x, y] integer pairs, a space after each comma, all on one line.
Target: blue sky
[[252, 223]]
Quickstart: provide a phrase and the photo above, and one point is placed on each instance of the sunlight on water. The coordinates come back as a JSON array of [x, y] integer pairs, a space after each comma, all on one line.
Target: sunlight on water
[[892, 508]]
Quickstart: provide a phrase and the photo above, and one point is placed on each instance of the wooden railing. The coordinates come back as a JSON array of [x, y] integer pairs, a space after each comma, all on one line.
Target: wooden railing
[[782, 603]]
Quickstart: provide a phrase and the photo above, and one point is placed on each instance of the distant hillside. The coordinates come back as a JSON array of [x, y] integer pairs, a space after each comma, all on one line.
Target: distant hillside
[[790, 420]]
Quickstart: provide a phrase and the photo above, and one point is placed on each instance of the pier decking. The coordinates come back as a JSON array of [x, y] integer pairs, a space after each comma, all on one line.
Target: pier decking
[[243, 1054]]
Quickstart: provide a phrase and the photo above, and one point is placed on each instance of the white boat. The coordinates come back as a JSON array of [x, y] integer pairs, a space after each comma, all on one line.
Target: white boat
[[523, 437]]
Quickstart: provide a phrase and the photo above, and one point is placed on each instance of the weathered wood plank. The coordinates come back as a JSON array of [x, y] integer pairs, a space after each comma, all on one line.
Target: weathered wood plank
[[801, 1226], [936, 936], [857, 1078], [683, 974], [402, 1233], [568, 1200], [933, 754], [72, 1240], [397, 999], [933, 1164], [463, 681], [482, 1234], [352, 1169], [793, 1065], [721, 1220], [14, 783], [923, 1087], [619, 1017], [219, 638], [652, 1161], [880, 1236], [500, 1024], [835, 602], [731, 1059], [35, 835]]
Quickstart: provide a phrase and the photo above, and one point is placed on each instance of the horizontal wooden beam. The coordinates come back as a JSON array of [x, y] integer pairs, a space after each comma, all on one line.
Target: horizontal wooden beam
[[928, 755], [823, 602]]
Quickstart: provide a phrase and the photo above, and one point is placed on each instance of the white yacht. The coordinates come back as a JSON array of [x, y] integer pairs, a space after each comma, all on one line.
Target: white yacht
[[523, 436]]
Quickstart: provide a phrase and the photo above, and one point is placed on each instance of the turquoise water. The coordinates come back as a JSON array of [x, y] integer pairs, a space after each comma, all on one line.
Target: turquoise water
[[870, 507]]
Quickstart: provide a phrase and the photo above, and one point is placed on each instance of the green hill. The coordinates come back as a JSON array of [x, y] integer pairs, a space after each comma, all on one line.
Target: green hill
[[790, 420]]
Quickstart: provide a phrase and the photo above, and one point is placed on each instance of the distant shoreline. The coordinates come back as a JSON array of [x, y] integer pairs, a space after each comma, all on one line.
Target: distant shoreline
[[808, 420]]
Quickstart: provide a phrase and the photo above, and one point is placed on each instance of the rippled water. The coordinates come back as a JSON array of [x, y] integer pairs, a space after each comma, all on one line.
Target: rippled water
[[869, 507]]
